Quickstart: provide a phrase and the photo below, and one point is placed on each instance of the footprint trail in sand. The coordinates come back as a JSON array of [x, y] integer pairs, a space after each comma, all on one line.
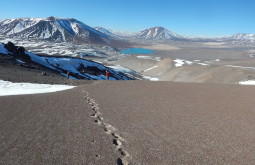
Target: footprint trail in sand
[[117, 141]]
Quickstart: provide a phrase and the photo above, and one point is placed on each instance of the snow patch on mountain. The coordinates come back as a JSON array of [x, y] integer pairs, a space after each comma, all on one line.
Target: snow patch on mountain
[[103, 30], [75, 28], [17, 25], [6, 21]]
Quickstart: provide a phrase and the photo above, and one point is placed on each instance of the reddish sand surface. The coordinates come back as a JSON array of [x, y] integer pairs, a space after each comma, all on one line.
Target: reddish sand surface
[[135, 122]]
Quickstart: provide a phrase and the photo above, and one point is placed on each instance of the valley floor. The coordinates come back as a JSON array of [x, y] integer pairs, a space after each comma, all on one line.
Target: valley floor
[[135, 122], [202, 62]]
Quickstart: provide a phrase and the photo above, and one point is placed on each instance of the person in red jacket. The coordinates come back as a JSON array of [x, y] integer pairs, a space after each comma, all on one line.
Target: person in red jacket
[[107, 74]]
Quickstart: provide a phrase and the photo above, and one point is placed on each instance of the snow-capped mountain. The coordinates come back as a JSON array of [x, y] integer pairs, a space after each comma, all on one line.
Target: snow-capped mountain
[[52, 29], [104, 30], [114, 33], [157, 33], [241, 37]]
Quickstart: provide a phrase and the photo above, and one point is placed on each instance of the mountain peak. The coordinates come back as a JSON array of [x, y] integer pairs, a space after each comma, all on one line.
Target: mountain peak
[[51, 18], [158, 33], [157, 27], [54, 18]]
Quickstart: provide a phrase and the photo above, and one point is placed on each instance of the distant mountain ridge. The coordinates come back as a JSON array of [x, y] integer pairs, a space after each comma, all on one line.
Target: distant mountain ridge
[[153, 33], [71, 30], [115, 34], [241, 37], [52, 29]]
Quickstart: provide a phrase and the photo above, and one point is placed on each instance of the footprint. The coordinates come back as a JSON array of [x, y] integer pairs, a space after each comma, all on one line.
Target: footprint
[[94, 107], [99, 118], [121, 162], [107, 130], [97, 121], [109, 127], [96, 115], [115, 135], [116, 142], [122, 152]]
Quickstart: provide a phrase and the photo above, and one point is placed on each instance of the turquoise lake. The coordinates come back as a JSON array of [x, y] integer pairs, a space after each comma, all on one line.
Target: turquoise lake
[[137, 51]]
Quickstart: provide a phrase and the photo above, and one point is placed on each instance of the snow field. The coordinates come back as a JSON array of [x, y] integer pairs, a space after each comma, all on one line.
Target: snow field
[[8, 88], [249, 82]]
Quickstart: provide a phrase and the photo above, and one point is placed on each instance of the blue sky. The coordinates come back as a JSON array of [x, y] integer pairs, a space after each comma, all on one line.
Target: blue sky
[[185, 17]]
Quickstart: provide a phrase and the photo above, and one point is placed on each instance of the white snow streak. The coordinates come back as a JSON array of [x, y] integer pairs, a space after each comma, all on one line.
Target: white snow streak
[[150, 68], [249, 82], [179, 62], [202, 64], [151, 78], [9, 88]]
